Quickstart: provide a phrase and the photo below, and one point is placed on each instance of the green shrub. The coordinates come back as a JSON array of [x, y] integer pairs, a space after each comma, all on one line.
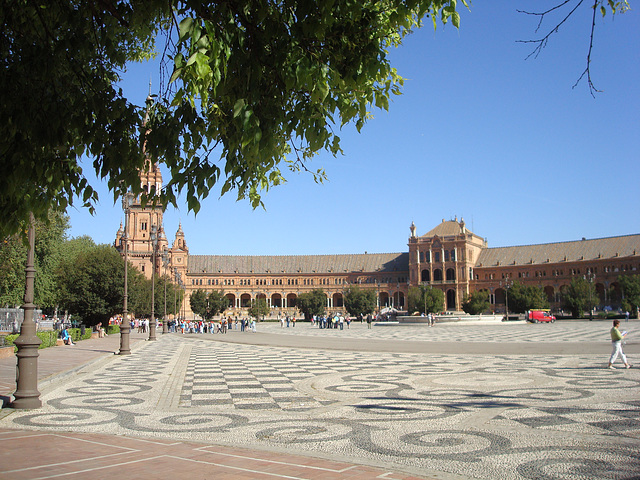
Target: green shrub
[[113, 329], [10, 340], [75, 334], [48, 339]]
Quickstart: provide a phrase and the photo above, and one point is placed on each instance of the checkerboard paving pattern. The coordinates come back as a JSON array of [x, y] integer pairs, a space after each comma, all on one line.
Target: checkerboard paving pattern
[[249, 378]]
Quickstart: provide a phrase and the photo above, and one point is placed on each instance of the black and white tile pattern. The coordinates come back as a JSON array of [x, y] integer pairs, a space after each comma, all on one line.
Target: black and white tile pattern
[[480, 416]]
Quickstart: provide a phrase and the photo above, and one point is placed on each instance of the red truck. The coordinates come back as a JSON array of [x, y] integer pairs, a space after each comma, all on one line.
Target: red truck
[[536, 316]]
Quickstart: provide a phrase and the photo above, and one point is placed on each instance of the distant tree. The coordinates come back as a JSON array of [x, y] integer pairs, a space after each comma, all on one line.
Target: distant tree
[[476, 303], [529, 297], [218, 302], [93, 286], [631, 290], [579, 297], [50, 240], [359, 301], [425, 299], [312, 303], [258, 308], [198, 303], [207, 305]]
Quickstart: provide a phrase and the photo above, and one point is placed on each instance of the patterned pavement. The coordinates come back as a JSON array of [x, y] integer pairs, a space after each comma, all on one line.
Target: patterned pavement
[[432, 415]]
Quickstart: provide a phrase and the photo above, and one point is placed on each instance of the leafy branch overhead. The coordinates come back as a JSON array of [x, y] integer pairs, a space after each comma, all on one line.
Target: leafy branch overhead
[[252, 86], [250, 90]]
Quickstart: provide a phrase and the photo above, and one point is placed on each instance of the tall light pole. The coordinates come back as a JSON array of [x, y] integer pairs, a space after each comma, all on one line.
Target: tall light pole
[[27, 394], [154, 244], [507, 286], [589, 277], [125, 325], [165, 264], [175, 300]]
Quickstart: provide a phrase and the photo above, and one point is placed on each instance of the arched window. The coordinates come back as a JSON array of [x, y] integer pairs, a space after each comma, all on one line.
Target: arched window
[[451, 274], [425, 275], [437, 275]]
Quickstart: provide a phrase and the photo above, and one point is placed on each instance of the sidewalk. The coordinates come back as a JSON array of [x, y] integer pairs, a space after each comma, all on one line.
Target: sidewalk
[[33, 454], [54, 362]]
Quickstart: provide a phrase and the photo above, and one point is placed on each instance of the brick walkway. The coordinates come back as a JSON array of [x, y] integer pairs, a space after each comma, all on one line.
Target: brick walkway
[[97, 457]]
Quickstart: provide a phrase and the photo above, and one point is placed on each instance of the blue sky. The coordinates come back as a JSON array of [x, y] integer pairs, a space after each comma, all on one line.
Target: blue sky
[[480, 132]]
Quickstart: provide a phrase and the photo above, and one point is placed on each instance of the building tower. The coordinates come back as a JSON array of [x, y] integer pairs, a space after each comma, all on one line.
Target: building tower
[[140, 222]]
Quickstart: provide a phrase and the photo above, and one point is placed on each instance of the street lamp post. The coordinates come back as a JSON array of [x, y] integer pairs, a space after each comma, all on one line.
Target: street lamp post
[[125, 325], [589, 277], [154, 243], [175, 300], [507, 286], [27, 395], [165, 264]]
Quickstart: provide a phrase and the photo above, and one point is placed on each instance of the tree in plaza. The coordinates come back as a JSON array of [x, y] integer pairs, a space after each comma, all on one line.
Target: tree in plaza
[[580, 296], [631, 292], [529, 297], [312, 303], [198, 303], [93, 286], [425, 299], [207, 305], [359, 301], [258, 308], [218, 302], [476, 303]]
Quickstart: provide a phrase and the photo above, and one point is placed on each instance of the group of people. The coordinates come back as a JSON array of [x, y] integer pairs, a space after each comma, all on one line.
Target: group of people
[[290, 321], [334, 321], [225, 324]]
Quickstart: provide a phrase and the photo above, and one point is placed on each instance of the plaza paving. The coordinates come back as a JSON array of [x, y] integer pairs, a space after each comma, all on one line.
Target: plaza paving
[[509, 401]]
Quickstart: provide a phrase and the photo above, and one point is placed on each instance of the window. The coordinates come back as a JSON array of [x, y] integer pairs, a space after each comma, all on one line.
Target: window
[[437, 257], [446, 255], [453, 255]]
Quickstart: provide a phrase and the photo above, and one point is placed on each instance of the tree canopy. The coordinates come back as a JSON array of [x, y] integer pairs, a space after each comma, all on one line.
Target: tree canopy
[[257, 79], [258, 308], [476, 303], [312, 303], [248, 89], [359, 301], [526, 297], [207, 305], [425, 299], [50, 251], [631, 290], [580, 296]]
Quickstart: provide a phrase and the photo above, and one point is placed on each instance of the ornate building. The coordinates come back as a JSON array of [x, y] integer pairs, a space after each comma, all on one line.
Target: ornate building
[[449, 257]]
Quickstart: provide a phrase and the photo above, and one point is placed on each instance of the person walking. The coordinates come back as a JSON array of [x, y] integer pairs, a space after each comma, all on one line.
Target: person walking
[[616, 341]]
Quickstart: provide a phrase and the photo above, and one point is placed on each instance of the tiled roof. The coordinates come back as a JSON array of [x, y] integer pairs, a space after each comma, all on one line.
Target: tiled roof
[[368, 262], [611, 247], [447, 228]]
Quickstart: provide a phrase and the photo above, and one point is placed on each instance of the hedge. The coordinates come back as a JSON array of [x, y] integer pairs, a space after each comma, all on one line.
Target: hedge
[[49, 339], [111, 329]]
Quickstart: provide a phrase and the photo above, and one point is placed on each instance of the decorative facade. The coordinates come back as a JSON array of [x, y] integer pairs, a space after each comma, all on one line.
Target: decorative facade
[[449, 257]]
